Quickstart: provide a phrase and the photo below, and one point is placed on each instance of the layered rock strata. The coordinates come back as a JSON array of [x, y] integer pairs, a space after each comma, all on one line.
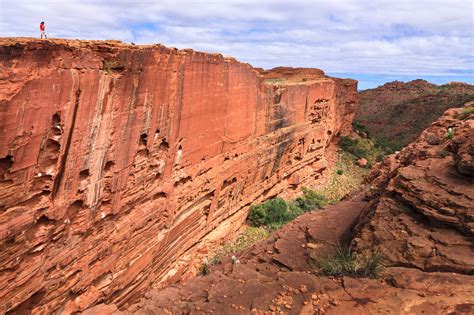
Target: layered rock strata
[[119, 164], [418, 212], [422, 214]]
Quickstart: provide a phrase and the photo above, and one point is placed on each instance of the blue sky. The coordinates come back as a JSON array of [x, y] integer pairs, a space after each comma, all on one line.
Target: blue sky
[[372, 41]]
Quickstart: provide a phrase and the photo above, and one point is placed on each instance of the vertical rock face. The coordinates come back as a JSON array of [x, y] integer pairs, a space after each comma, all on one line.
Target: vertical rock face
[[119, 163]]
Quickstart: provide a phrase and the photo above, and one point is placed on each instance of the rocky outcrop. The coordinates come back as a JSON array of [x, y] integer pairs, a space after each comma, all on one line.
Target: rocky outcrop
[[396, 112], [120, 164], [423, 212]]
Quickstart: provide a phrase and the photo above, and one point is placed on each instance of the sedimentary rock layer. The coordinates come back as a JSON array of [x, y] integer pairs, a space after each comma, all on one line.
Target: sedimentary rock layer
[[422, 215], [418, 212], [120, 163]]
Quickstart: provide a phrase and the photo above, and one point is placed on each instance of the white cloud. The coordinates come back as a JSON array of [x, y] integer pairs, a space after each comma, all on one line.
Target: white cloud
[[395, 37]]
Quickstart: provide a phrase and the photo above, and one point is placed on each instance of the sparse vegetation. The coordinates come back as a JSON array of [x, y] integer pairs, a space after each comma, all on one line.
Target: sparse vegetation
[[274, 81], [246, 239], [465, 112], [205, 268], [365, 148], [111, 65], [359, 128], [450, 133], [341, 261], [310, 200], [443, 153], [345, 178]]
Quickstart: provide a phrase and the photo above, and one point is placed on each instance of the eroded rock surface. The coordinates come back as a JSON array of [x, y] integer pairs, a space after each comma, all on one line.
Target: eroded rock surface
[[280, 275], [418, 212], [119, 164], [423, 213]]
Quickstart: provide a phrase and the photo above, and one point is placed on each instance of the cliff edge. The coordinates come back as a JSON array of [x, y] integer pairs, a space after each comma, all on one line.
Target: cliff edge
[[120, 164]]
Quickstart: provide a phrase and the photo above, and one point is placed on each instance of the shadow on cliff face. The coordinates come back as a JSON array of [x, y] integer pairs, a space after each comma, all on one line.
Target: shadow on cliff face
[[277, 120]]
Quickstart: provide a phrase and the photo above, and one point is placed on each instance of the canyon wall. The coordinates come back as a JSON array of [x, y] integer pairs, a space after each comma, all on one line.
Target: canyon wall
[[119, 164]]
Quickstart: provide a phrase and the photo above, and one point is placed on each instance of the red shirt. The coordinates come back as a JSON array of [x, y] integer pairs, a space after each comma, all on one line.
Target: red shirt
[[42, 27]]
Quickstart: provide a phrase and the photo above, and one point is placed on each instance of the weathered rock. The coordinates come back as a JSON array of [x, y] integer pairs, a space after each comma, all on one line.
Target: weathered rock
[[422, 211], [433, 139], [286, 279], [362, 162], [120, 163], [419, 213]]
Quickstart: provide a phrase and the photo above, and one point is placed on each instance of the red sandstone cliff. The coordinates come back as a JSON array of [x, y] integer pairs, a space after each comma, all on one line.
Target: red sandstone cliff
[[418, 212], [119, 163]]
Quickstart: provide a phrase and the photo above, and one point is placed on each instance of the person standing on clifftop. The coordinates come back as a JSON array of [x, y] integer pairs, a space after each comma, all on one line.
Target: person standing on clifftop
[[42, 29]]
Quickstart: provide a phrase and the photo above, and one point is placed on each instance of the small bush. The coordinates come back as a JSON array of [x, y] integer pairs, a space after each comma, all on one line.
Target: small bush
[[372, 151], [205, 268], [272, 211], [310, 200], [339, 172], [352, 146], [341, 261], [276, 212], [443, 153], [450, 133]]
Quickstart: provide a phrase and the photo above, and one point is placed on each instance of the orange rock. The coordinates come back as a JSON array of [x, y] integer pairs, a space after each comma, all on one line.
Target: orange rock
[[117, 160], [421, 210], [362, 162]]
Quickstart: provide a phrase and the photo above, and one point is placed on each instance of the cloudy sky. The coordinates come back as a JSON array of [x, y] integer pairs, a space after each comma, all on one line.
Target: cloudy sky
[[369, 40]]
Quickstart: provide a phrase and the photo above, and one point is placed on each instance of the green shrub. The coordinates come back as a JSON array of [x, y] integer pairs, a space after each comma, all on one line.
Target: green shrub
[[272, 211], [372, 151], [341, 261], [339, 172], [257, 215], [450, 133], [351, 146], [443, 153], [276, 212], [310, 200]]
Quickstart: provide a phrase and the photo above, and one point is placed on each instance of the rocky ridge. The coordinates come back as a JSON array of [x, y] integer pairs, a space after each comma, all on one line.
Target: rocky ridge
[[397, 112], [120, 164]]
